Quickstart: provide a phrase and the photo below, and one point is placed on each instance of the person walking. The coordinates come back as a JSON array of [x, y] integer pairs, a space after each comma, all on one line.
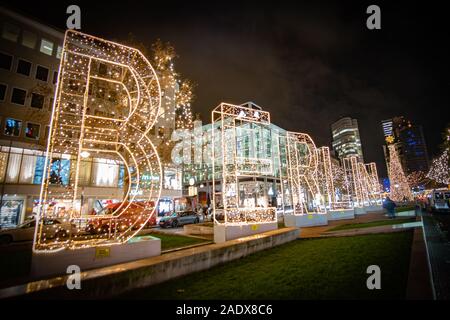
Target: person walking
[[389, 205]]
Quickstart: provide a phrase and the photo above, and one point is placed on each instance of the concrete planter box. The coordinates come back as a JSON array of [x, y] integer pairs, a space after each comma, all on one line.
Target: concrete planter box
[[305, 220], [360, 210], [374, 208], [198, 229], [224, 233], [342, 214], [49, 264]]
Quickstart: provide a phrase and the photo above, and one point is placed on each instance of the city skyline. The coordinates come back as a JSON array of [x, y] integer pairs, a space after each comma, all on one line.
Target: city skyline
[[319, 64]]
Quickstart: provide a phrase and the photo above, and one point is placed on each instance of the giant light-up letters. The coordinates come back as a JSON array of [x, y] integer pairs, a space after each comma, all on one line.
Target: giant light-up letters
[[302, 164], [241, 157], [107, 100]]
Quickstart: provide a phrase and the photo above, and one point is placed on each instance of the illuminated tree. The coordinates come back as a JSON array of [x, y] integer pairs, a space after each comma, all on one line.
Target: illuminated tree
[[400, 189], [439, 171], [416, 178], [177, 93]]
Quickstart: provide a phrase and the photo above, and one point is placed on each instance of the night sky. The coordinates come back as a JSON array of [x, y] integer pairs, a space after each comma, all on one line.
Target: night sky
[[307, 63]]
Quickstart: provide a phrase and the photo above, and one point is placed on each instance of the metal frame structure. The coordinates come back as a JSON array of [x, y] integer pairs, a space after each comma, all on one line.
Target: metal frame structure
[[233, 124], [82, 126]]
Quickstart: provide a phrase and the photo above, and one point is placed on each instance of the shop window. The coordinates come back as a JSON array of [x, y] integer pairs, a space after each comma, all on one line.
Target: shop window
[[42, 73], [18, 96], [2, 91], [10, 32], [39, 170], [29, 39], [5, 61], [12, 127], [32, 130], [46, 47], [59, 171], [121, 179], [23, 67], [37, 100], [10, 213], [105, 173]]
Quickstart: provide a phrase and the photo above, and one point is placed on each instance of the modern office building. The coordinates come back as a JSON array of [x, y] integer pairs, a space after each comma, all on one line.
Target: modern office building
[[263, 142], [409, 141], [346, 141], [30, 53]]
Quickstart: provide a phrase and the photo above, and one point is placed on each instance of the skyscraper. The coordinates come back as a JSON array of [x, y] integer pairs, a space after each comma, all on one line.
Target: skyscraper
[[409, 141], [346, 140]]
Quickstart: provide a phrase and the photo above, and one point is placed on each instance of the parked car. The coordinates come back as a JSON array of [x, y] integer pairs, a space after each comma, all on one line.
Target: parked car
[[439, 200], [133, 217], [52, 228], [177, 219]]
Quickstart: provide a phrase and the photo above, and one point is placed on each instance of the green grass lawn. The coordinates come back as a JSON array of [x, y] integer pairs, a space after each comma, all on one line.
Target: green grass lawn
[[170, 241], [330, 268], [403, 209], [371, 224]]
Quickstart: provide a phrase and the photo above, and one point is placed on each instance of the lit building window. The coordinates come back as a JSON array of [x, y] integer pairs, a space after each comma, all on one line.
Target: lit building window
[[46, 47], [12, 127], [32, 131], [105, 173]]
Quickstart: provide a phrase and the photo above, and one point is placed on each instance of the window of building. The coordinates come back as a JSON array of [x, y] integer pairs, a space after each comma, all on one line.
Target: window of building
[[32, 130], [41, 73], [37, 100], [46, 47], [2, 91], [18, 96], [23, 67], [5, 61], [10, 32], [12, 127], [55, 77], [29, 39], [59, 52]]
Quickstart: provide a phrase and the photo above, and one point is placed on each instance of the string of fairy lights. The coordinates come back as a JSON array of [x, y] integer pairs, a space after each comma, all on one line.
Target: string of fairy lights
[[107, 101]]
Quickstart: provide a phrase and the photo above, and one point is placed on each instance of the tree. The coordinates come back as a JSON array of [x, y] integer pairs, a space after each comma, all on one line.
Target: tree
[[175, 91], [439, 170], [400, 189], [416, 178]]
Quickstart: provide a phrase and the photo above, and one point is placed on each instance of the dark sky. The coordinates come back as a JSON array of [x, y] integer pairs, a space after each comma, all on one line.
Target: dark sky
[[308, 63]]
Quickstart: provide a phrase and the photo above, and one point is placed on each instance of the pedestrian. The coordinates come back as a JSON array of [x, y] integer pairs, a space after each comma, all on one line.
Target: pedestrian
[[389, 205]]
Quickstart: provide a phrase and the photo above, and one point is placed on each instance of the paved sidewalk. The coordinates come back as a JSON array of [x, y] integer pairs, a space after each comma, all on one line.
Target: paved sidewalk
[[314, 232], [419, 278], [438, 248]]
